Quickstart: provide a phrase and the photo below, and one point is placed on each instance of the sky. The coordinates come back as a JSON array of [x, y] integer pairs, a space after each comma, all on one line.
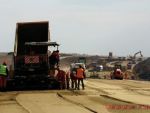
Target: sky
[[83, 26]]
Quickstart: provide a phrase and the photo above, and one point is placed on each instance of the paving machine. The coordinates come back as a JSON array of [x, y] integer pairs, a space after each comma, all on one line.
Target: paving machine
[[31, 55]]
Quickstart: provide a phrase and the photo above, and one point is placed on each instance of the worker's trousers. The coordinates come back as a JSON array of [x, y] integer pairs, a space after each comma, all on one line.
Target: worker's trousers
[[73, 83], [80, 79], [3, 82]]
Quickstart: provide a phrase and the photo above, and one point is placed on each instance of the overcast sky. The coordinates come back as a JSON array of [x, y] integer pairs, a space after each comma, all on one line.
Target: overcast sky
[[83, 26]]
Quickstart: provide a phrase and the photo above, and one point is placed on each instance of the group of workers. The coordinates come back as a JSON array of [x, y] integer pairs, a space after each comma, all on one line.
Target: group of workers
[[66, 80], [74, 76], [3, 76]]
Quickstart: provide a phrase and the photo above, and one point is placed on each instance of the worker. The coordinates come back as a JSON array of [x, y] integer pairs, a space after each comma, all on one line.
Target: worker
[[73, 79], [126, 75], [111, 75], [61, 78], [57, 57], [54, 59], [3, 76], [80, 76], [68, 79]]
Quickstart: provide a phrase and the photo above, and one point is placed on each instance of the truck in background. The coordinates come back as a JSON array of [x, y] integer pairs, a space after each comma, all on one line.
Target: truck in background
[[82, 60]]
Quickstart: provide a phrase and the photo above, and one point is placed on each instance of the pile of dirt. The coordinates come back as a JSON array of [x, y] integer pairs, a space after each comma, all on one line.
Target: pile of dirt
[[142, 69]]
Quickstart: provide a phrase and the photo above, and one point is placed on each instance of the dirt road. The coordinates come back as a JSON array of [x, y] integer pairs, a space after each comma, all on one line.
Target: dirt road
[[99, 96]]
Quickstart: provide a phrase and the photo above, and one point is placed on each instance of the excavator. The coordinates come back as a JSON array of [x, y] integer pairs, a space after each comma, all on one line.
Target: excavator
[[134, 59], [139, 52]]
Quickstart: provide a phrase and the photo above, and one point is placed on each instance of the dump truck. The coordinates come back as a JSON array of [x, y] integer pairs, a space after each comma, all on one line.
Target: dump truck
[[31, 55]]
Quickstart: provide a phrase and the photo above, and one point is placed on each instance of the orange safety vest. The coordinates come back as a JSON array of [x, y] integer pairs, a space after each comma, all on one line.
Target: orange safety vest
[[80, 73]]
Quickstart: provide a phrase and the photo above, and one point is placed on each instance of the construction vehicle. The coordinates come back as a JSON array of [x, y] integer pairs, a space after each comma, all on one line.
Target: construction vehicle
[[134, 58], [31, 57], [82, 60], [117, 72], [139, 52], [76, 65]]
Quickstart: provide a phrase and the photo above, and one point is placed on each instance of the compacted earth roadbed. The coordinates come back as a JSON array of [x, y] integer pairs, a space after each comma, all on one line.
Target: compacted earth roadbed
[[99, 96]]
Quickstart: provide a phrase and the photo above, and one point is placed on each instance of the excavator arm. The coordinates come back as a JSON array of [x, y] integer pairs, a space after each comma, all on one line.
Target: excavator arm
[[137, 54]]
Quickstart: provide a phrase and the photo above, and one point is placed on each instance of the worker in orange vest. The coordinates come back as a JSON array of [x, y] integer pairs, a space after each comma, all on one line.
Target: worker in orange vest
[[61, 78], [80, 76], [126, 75]]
